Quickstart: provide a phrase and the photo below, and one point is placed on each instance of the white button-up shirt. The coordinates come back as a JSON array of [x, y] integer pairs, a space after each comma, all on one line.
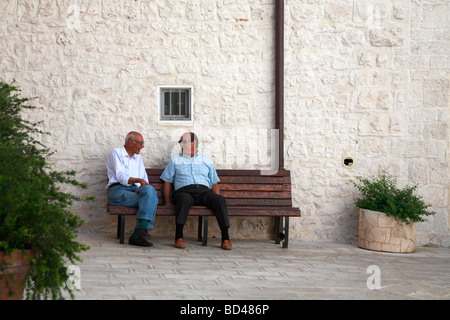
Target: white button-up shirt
[[120, 167]]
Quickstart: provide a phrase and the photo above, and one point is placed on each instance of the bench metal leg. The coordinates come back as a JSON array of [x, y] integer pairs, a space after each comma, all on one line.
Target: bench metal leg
[[277, 230], [121, 228], [199, 231], [282, 231], [205, 231], [286, 232], [118, 226]]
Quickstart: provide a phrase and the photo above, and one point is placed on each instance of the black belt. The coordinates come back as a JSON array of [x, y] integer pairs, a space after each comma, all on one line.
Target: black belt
[[192, 186], [112, 185]]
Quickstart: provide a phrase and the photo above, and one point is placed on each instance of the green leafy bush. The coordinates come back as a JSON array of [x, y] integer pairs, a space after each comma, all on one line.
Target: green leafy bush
[[34, 212], [382, 194]]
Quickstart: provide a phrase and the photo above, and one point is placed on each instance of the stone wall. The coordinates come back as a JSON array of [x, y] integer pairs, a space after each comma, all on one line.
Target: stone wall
[[367, 80]]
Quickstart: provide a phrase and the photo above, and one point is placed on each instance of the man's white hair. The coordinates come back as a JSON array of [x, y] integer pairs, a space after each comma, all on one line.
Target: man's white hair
[[130, 136]]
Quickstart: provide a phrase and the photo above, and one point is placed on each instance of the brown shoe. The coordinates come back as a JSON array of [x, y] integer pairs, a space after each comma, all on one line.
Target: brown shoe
[[226, 245], [179, 243]]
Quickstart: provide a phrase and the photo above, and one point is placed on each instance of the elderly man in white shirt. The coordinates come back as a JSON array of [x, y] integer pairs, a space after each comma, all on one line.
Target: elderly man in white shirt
[[128, 186]]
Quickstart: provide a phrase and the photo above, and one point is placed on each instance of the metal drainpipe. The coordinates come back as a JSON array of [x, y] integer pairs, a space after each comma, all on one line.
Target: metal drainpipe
[[279, 78]]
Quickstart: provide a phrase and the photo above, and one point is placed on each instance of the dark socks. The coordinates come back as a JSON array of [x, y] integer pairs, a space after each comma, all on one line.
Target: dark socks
[[179, 231], [225, 234], [140, 224]]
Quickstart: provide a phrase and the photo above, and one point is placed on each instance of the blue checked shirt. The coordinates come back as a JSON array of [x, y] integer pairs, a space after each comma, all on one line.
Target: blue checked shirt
[[183, 170]]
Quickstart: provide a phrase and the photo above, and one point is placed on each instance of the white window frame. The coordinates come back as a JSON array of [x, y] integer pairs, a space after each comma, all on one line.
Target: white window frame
[[190, 106]]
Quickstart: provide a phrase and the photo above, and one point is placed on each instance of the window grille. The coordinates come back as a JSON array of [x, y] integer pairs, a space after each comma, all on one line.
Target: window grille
[[175, 103]]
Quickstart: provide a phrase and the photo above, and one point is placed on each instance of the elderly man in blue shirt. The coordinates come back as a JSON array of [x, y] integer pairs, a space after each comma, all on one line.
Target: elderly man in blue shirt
[[128, 186], [196, 183]]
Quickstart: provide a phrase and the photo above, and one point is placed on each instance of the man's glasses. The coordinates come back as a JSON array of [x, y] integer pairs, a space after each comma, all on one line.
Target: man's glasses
[[140, 142], [184, 141]]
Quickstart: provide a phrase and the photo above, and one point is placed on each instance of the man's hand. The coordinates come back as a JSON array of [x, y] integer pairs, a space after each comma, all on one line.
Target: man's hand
[[216, 189], [138, 180], [143, 183]]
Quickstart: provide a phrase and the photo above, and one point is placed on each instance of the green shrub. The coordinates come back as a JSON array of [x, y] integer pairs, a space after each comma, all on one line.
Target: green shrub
[[34, 212], [382, 194]]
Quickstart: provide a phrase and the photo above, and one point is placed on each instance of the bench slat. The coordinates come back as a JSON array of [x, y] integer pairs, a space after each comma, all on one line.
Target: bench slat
[[262, 173], [200, 210], [255, 187], [259, 202], [255, 195], [243, 187], [253, 179], [236, 176], [240, 180], [244, 195], [249, 202], [233, 172]]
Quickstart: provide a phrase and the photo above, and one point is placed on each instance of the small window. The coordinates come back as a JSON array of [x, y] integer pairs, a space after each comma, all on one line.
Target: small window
[[175, 103]]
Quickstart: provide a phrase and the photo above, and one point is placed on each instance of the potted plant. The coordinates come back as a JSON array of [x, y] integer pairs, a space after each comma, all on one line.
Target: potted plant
[[388, 214], [34, 212]]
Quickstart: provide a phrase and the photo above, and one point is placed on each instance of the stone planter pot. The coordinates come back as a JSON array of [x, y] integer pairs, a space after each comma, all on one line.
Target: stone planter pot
[[379, 232], [18, 264]]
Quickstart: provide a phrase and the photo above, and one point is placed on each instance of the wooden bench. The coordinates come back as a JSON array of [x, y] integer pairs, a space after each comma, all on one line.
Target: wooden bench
[[249, 193]]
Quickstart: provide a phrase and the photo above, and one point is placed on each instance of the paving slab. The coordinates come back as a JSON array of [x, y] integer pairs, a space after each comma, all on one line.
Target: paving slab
[[257, 270]]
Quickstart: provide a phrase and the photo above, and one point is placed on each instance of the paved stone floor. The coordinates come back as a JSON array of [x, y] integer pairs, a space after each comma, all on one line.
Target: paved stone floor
[[258, 270]]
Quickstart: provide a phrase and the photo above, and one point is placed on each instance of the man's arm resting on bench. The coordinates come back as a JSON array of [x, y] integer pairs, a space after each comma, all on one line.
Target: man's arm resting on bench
[[167, 186]]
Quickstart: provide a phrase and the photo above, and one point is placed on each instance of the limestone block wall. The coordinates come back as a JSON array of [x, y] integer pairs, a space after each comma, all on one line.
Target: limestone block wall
[[366, 80]]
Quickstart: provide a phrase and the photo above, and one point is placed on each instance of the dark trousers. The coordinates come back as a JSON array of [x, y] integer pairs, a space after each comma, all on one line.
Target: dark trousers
[[200, 195]]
